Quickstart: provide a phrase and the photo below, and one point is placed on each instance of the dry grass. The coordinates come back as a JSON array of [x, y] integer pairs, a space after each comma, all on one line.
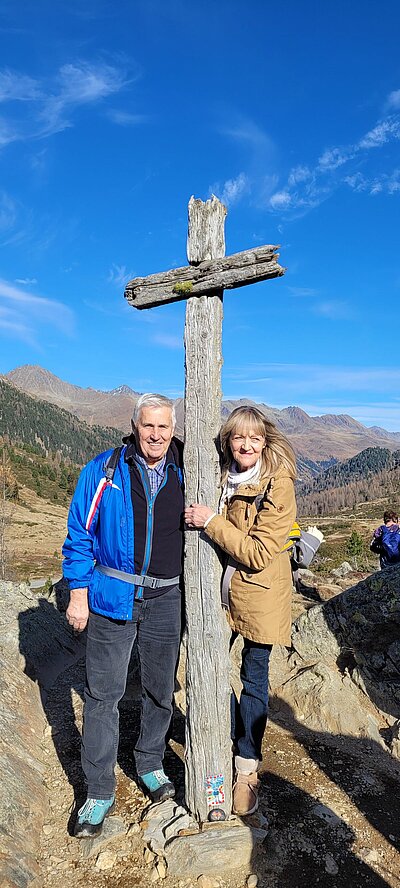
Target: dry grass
[[35, 537]]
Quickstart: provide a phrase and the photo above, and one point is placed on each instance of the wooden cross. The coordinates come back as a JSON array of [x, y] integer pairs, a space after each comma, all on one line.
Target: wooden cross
[[208, 759]]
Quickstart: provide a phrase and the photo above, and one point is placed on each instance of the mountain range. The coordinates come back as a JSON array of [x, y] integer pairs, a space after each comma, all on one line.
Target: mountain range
[[112, 409], [49, 429], [318, 440], [372, 475]]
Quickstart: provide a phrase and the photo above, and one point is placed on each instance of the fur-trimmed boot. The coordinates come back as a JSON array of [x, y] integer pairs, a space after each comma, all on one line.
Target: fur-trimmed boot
[[245, 787]]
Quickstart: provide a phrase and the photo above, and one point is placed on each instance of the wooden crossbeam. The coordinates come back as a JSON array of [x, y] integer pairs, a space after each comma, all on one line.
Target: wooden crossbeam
[[228, 273]]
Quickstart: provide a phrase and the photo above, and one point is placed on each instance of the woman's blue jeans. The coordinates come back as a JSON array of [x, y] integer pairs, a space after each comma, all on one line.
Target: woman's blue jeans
[[156, 625], [249, 716]]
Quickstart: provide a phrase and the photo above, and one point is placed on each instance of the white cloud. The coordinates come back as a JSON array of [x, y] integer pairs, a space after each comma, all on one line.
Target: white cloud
[[375, 413], [8, 133], [357, 182], [300, 201], [376, 187], [381, 133], [167, 340], [302, 291], [16, 330], [245, 130], [232, 190], [301, 378], [280, 200], [257, 151], [8, 212], [82, 83], [382, 415], [18, 87], [393, 183], [51, 104], [386, 183], [25, 312], [372, 414], [266, 188], [125, 118], [119, 275], [333, 309], [306, 187], [38, 161], [78, 84], [298, 174], [100, 308], [26, 281], [393, 100], [332, 158]]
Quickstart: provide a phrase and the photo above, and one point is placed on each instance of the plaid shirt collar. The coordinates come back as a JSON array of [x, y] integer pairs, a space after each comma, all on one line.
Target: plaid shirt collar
[[155, 473]]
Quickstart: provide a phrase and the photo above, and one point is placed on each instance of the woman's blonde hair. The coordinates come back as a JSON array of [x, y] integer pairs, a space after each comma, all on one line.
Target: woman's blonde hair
[[276, 452]]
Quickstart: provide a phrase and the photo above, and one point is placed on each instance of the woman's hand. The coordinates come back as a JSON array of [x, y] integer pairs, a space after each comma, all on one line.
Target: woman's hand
[[196, 515]]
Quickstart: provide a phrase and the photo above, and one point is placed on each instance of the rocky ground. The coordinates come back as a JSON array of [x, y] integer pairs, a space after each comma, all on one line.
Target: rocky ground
[[330, 799], [331, 808]]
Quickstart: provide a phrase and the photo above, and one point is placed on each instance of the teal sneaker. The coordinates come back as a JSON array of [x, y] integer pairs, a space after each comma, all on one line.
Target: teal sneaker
[[89, 821], [157, 785]]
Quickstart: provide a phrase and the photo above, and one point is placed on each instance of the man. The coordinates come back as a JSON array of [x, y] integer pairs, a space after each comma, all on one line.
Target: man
[[123, 560], [386, 540]]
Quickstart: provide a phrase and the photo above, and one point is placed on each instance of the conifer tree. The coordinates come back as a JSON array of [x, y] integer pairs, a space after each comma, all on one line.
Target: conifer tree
[[355, 547]]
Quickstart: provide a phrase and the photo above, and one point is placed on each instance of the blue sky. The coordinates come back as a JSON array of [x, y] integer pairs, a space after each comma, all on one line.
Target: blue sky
[[113, 114]]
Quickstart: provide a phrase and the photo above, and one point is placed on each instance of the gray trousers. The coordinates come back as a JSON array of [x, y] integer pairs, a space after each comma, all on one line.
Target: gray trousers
[[156, 625]]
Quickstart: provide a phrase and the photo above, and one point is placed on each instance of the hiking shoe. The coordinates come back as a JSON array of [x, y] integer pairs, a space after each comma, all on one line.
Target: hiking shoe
[[157, 785], [89, 821], [245, 793]]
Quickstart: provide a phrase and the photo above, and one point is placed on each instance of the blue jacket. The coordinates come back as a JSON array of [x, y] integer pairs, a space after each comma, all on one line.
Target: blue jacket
[[101, 529], [386, 543]]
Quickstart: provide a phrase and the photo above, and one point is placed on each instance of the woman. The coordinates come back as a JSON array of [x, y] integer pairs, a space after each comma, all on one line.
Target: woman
[[256, 512]]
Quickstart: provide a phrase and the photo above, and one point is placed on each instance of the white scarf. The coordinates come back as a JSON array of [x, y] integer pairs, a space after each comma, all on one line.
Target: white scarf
[[235, 478]]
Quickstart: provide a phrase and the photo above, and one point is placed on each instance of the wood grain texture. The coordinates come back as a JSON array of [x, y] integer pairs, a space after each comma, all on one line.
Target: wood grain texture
[[237, 270], [206, 230], [208, 745]]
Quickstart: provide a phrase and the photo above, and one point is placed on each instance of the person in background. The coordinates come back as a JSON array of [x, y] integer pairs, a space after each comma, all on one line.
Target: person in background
[[386, 540], [256, 512], [123, 561]]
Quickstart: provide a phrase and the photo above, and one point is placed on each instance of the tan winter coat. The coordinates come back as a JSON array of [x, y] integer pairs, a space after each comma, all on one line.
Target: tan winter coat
[[261, 587]]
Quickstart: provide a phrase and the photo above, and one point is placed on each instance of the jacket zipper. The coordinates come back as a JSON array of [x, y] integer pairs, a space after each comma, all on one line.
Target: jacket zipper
[[150, 513]]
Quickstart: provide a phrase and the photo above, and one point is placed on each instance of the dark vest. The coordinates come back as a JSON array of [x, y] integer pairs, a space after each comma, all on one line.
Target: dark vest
[[158, 525]]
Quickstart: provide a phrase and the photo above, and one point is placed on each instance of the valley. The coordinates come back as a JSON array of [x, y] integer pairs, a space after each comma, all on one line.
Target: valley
[[343, 489]]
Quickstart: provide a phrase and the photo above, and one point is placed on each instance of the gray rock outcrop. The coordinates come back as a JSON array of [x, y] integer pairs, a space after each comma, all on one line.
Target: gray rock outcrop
[[342, 674], [22, 796], [32, 634], [343, 569]]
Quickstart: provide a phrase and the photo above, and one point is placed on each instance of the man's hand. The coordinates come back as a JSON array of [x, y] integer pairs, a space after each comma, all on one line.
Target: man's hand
[[77, 612]]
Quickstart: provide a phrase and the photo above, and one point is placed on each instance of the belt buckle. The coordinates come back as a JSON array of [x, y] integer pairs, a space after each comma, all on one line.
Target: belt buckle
[[153, 582]]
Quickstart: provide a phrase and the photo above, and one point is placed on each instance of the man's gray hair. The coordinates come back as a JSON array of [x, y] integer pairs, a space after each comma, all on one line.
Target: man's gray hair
[[151, 399]]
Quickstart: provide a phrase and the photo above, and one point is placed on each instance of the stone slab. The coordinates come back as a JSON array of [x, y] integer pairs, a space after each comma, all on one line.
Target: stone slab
[[212, 851], [162, 821], [114, 827]]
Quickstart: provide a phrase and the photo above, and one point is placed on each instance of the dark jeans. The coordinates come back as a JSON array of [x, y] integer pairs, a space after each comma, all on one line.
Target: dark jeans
[[249, 716], [156, 624]]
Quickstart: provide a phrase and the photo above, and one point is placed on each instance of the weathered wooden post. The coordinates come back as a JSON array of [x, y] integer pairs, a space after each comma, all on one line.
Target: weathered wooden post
[[208, 746], [202, 282]]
